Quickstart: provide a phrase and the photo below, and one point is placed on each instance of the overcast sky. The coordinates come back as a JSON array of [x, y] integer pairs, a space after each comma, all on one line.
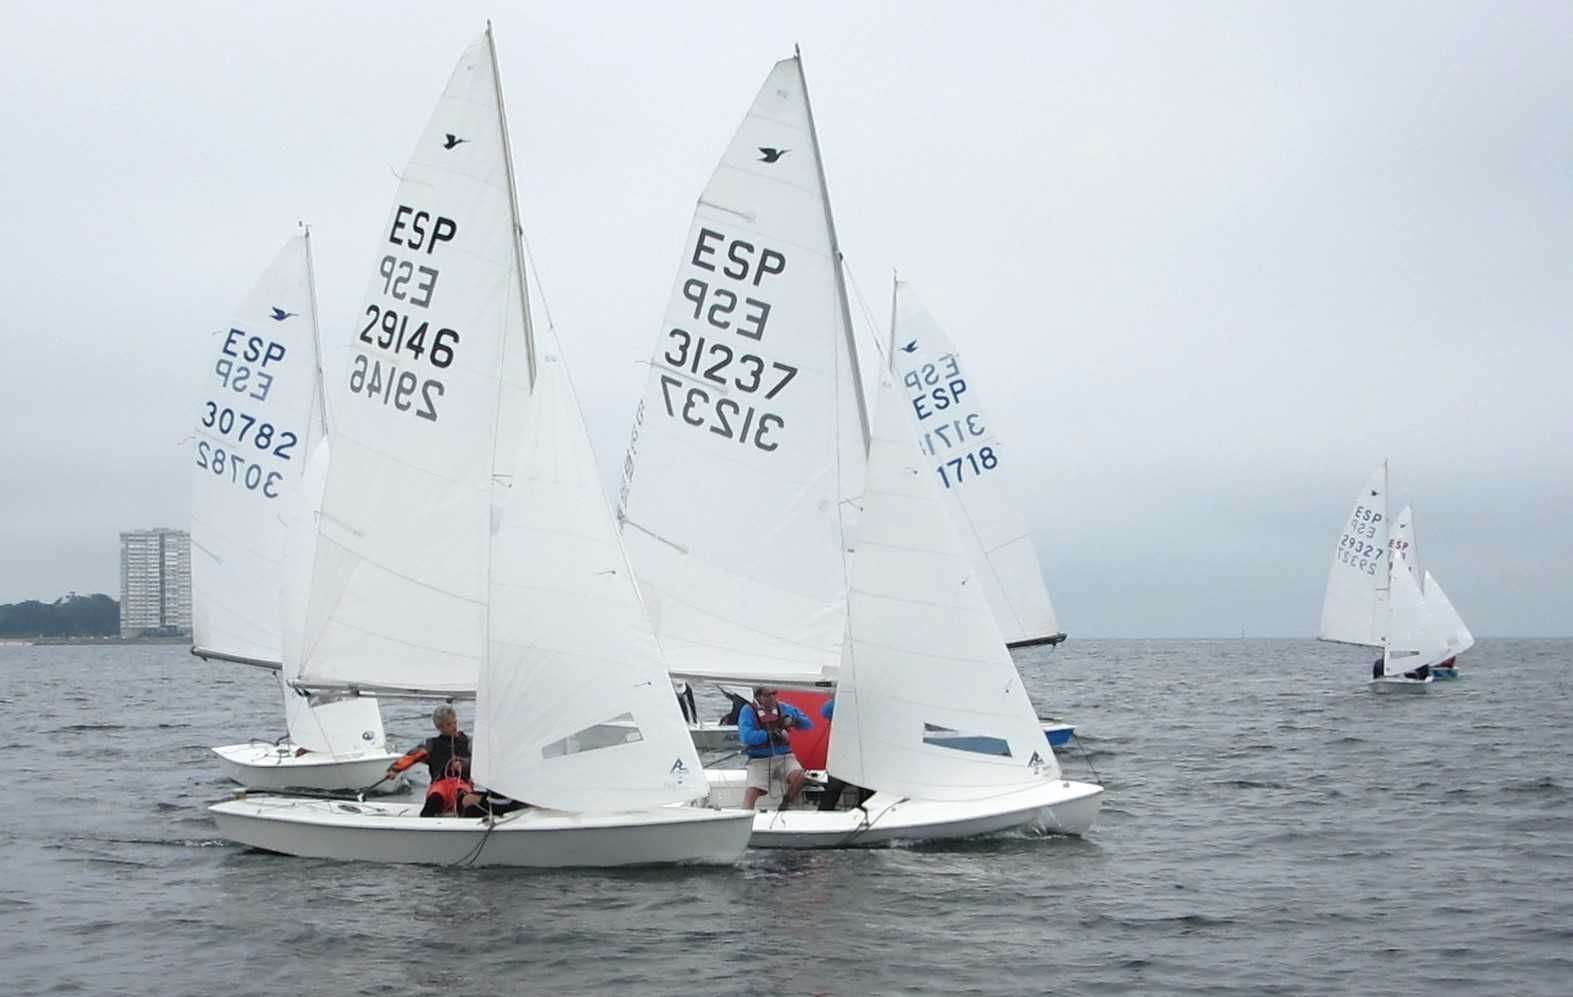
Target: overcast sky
[[1208, 264]]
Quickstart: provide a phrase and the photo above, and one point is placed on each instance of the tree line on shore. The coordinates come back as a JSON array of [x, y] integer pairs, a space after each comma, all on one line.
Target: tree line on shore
[[71, 615]]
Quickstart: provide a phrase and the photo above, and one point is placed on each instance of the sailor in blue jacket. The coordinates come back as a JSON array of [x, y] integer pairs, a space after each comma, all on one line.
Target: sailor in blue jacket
[[762, 727]]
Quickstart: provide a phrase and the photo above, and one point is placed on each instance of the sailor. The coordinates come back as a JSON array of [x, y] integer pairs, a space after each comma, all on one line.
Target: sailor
[[1377, 671], [450, 745], [762, 728]]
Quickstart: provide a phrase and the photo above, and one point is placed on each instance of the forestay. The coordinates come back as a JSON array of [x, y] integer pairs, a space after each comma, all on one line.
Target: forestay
[[574, 710], [929, 703], [750, 436], [971, 464], [399, 590], [260, 415], [1355, 608]]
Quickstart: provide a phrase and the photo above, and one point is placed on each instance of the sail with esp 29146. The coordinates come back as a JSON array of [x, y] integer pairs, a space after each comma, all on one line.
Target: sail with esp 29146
[[972, 465], [748, 449], [434, 379]]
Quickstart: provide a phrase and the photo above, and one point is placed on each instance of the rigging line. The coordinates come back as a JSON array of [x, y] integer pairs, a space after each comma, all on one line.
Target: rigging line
[[1086, 758], [534, 270], [868, 314]]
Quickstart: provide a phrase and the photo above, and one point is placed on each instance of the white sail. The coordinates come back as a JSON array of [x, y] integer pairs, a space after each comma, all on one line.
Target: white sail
[[345, 726], [964, 447], [260, 415], [1446, 627], [1402, 544], [1446, 624], [429, 395], [750, 436], [928, 702], [1411, 638], [574, 710], [1355, 608]]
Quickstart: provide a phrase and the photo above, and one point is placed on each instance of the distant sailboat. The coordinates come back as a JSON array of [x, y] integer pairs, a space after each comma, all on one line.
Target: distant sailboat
[[465, 543], [1373, 603], [260, 425], [972, 464]]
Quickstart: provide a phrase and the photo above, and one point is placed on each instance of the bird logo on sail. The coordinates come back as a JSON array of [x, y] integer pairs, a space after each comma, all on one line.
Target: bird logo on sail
[[450, 140], [769, 155], [911, 347], [280, 314]]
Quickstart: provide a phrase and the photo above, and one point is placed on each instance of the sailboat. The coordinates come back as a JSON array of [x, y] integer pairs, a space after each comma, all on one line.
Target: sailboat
[[742, 494], [464, 542], [1371, 603], [260, 425], [973, 467], [1446, 624]]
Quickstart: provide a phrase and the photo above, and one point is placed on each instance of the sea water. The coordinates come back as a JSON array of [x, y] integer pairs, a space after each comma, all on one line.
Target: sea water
[[1269, 827]]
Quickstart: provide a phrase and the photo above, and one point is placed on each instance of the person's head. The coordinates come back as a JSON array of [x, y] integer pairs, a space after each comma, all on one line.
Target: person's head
[[765, 695], [446, 719]]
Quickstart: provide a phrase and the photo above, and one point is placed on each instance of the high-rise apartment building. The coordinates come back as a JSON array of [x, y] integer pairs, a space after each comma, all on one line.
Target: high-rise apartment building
[[155, 581]]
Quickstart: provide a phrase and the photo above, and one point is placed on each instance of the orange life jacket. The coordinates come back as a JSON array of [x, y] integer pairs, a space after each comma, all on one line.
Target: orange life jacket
[[449, 791]]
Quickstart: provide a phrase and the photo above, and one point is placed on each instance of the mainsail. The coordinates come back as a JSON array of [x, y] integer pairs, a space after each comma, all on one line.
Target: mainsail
[[1355, 608], [435, 377], [260, 416], [1402, 544], [748, 445], [928, 701], [260, 452], [972, 464], [1447, 626]]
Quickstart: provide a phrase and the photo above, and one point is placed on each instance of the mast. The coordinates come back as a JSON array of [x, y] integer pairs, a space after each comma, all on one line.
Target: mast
[[835, 247], [316, 330], [1387, 627], [513, 207], [890, 340]]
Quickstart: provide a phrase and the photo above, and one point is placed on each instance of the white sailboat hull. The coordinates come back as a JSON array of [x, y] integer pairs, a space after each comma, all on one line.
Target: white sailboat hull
[[260, 765], [1055, 807], [533, 838], [1397, 683]]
